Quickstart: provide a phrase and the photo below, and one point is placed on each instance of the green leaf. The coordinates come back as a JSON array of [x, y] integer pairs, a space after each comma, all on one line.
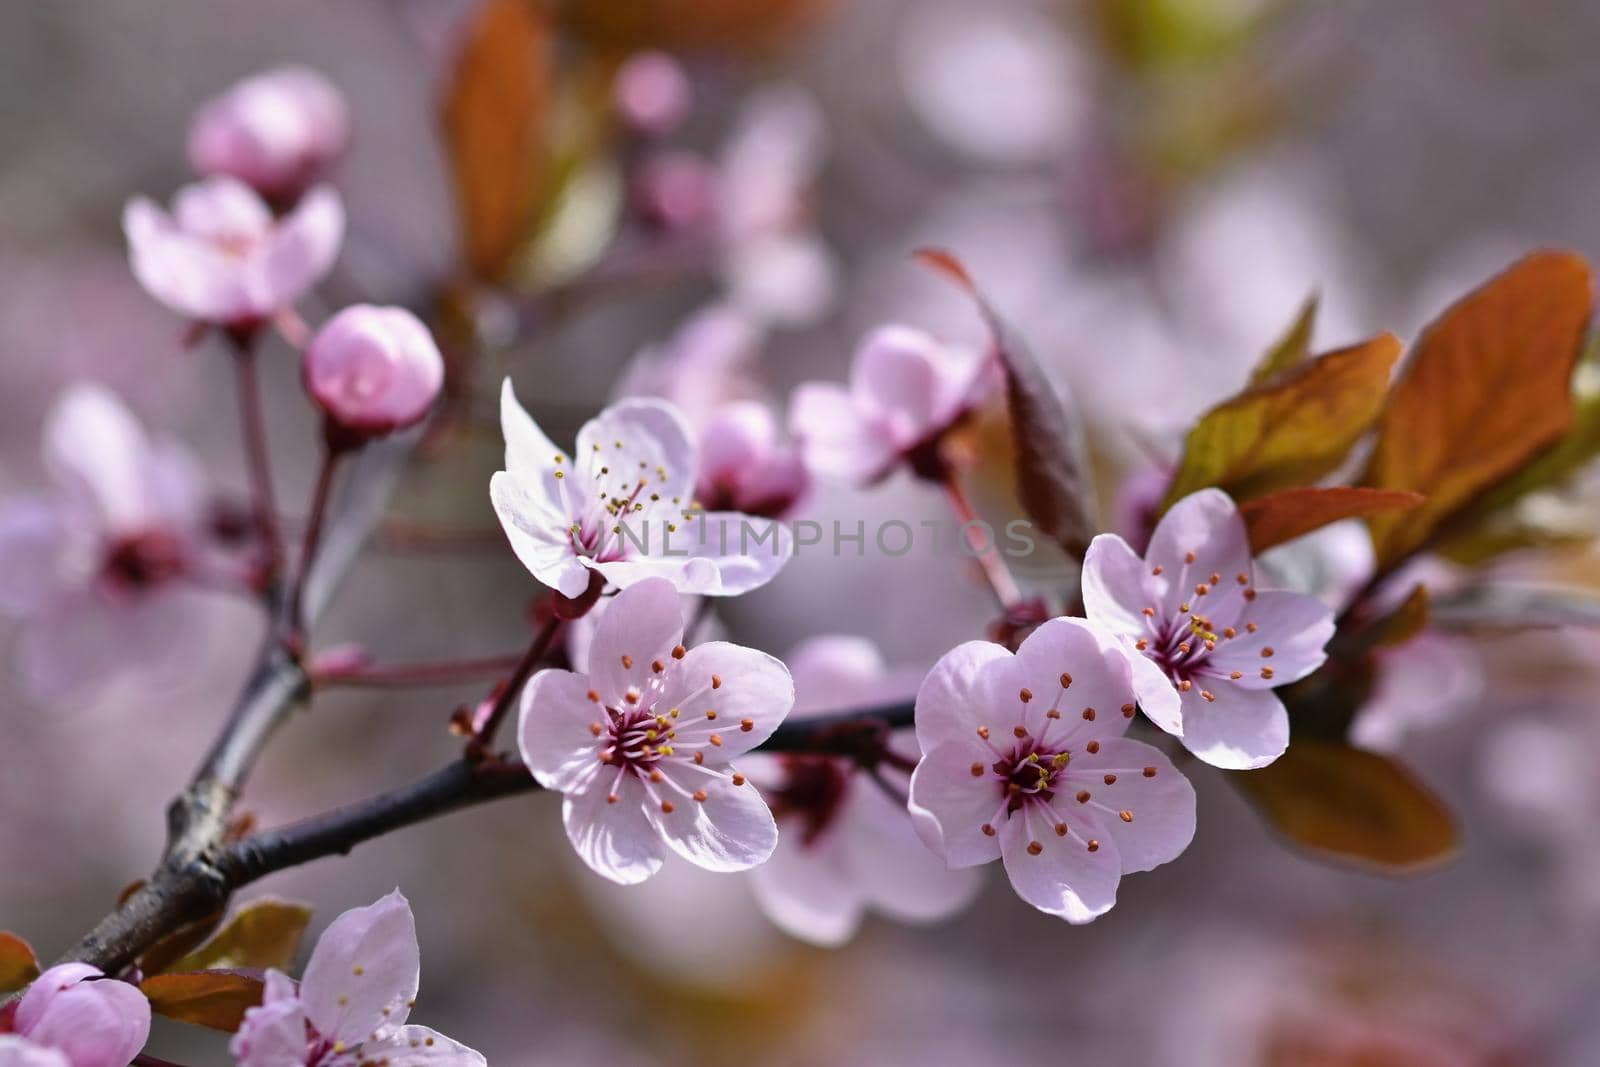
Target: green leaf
[[1289, 513], [1352, 806], [1488, 389], [18, 964], [1293, 348], [1289, 432], [216, 999], [1053, 482], [263, 933]]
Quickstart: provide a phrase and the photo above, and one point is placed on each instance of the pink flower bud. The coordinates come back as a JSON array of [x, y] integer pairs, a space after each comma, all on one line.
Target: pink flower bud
[[277, 131], [743, 465], [652, 93], [677, 191], [93, 1021], [373, 370]]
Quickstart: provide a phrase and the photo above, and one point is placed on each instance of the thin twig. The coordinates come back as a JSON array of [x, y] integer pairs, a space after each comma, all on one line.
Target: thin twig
[[483, 736], [414, 675], [253, 428], [994, 568]]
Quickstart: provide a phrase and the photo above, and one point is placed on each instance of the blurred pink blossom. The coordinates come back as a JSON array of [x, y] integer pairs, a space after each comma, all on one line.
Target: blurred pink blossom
[[74, 1016], [1025, 762], [652, 92], [220, 257], [906, 391], [352, 1001], [844, 844], [1206, 678], [93, 567], [640, 745], [373, 370], [623, 507], [707, 370], [278, 131]]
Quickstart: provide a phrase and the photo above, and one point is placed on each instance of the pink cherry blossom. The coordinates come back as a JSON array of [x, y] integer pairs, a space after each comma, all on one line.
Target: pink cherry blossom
[[622, 506], [1024, 761], [277, 131], [745, 467], [373, 370], [906, 391], [352, 1002], [640, 745], [845, 845], [652, 92], [1207, 646], [707, 370], [93, 567], [74, 1016], [220, 256]]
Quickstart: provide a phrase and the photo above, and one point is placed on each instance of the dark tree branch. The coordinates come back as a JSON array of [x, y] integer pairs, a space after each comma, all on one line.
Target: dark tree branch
[[187, 884], [466, 783]]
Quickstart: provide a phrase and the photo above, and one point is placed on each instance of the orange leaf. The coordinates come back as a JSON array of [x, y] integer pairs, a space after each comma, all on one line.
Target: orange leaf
[[217, 999], [18, 964], [493, 123], [1291, 430], [1488, 389], [1290, 513], [1351, 805]]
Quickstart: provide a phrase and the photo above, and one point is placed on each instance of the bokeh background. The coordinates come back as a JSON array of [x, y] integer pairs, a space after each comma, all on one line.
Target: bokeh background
[[1150, 188]]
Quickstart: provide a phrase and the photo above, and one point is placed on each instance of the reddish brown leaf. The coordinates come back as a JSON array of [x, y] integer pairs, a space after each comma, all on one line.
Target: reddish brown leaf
[[263, 933], [1052, 479], [494, 115], [1353, 806], [1290, 513], [1487, 390], [1291, 430], [217, 999], [18, 964], [629, 25]]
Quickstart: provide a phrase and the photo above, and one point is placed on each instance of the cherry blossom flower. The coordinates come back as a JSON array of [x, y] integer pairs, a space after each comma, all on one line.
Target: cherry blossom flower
[[706, 370], [906, 391], [93, 567], [74, 1016], [373, 370], [652, 92], [352, 1002], [220, 257], [623, 507], [1024, 761], [277, 131], [1207, 646], [845, 845], [640, 745]]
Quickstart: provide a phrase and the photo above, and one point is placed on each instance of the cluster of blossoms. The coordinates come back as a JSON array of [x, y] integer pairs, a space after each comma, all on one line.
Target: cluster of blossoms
[[677, 490], [1017, 755]]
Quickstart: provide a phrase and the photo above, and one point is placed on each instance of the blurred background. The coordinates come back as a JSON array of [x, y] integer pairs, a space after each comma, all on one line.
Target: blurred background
[[1151, 189]]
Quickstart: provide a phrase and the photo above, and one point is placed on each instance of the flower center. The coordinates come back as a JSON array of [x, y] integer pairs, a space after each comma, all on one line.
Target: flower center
[[138, 561], [814, 787]]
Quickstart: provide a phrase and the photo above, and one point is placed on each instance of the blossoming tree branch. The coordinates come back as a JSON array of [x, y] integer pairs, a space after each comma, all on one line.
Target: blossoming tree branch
[[1060, 740]]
